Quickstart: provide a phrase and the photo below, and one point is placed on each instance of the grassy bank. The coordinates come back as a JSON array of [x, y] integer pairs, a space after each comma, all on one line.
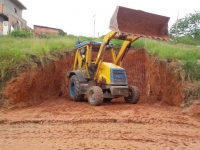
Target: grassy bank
[[169, 49], [16, 51], [188, 55]]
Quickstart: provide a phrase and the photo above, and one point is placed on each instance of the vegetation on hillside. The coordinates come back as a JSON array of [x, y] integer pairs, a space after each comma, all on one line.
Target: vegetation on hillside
[[21, 47], [187, 30], [188, 55], [24, 33]]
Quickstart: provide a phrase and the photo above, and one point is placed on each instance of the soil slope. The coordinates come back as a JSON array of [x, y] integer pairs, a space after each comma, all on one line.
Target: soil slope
[[157, 80]]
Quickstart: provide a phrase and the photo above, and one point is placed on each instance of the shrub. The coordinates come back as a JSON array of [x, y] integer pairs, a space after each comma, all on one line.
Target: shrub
[[192, 69], [62, 33], [24, 33], [188, 40], [45, 36]]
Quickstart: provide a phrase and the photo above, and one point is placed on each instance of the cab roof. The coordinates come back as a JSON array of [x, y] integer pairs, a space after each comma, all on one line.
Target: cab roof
[[95, 45]]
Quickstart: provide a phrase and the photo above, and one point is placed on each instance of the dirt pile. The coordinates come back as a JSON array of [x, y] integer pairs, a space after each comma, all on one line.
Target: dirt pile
[[157, 80]]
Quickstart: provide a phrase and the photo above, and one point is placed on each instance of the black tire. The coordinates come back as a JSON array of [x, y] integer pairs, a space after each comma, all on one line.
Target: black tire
[[134, 95], [95, 96], [107, 100], [74, 88]]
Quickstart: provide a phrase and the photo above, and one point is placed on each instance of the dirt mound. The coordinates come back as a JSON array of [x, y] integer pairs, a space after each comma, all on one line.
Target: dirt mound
[[193, 109], [158, 79]]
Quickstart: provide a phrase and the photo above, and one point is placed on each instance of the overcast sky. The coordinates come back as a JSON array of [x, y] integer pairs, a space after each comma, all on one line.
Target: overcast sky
[[76, 16]]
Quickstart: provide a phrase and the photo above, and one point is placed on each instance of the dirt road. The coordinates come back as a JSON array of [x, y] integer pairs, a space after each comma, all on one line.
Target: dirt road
[[60, 124]]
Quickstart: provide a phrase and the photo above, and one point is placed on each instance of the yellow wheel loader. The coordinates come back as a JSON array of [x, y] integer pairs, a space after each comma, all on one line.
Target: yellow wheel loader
[[102, 81]]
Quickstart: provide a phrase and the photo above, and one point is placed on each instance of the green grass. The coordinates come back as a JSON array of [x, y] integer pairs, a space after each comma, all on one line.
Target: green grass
[[15, 51], [169, 49], [188, 40], [166, 49], [188, 55]]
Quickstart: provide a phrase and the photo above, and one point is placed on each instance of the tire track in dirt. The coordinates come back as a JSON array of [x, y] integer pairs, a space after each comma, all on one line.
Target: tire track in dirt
[[62, 124]]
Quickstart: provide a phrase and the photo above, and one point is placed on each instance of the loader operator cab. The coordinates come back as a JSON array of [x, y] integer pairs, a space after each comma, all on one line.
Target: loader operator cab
[[82, 47], [86, 53], [82, 52], [83, 55]]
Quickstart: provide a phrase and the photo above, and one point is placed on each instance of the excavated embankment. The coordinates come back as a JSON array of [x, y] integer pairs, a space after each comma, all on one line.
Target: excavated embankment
[[158, 80]]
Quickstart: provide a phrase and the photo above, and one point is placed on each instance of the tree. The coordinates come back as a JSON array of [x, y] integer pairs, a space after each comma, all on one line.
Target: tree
[[188, 26], [61, 32]]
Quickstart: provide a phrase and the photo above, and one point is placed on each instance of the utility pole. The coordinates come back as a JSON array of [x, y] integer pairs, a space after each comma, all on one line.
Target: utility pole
[[94, 24], [176, 27]]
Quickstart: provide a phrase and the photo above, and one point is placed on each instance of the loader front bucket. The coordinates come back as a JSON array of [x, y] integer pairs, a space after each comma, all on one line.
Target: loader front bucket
[[139, 23]]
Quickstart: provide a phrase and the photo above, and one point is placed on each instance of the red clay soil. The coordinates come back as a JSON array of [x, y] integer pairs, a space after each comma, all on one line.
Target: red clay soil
[[61, 124], [58, 123], [153, 77], [164, 81], [35, 86]]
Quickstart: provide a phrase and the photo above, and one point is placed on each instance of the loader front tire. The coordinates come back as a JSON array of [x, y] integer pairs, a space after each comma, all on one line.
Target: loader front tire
[[134, 95], [95, 96], [74, 88]]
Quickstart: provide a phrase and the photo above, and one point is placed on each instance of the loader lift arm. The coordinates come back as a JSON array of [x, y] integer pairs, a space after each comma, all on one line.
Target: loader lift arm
[[129, 25], [117, 60]]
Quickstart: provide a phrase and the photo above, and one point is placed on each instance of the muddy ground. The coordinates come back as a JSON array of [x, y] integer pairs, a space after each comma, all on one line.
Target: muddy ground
[[61, 124]]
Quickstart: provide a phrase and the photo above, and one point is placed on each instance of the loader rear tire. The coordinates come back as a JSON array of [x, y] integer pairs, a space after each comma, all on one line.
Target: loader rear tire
[[134, 95], [74, 88], [95, 96]]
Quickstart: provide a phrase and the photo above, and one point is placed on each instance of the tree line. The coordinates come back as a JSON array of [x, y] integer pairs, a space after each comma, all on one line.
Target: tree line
[[189, 26]]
